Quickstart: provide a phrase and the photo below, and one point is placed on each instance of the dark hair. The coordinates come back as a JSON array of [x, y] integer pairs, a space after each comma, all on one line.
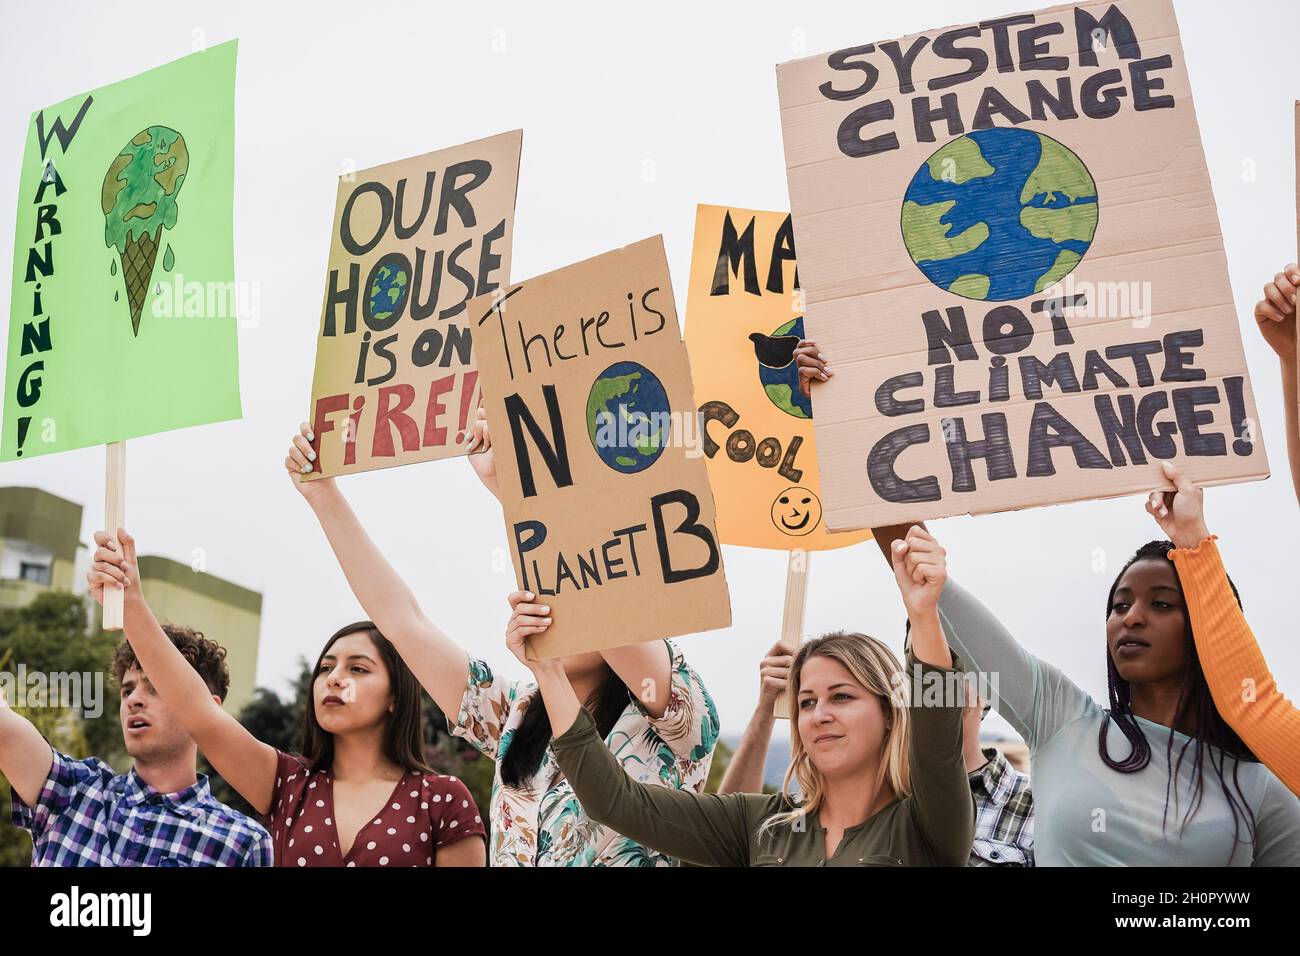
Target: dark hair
[[1194, 697], [533, 735], [205, 656], [404, 733]]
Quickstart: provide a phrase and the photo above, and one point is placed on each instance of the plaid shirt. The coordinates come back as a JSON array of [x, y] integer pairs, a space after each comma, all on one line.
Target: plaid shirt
[[88, 816], [1004, 814]]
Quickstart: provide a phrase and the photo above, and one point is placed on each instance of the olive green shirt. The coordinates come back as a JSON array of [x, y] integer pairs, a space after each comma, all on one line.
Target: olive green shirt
[[932, 826]]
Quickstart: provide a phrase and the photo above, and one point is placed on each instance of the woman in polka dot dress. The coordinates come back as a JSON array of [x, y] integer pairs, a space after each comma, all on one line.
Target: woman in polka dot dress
[[649, 705], [361, 752], [361, 793]]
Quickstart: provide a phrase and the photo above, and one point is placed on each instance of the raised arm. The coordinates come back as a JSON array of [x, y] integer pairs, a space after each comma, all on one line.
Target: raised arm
[[438, 662], [646, 669], [245, 762], [920, 569], [1276, 315], [25, 756], [1036, 698], [941, 801], [745, 771], [1244, 689]]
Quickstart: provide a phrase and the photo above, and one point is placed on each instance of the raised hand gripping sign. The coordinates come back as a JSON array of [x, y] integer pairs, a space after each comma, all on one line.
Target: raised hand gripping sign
[[413, 241], [1011, 256], [608, 510]]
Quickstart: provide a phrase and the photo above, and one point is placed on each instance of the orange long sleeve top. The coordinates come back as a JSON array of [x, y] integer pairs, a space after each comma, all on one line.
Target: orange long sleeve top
[[1243, 689]]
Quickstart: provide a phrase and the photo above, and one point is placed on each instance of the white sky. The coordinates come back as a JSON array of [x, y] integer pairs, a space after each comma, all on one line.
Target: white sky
[[632, 114]]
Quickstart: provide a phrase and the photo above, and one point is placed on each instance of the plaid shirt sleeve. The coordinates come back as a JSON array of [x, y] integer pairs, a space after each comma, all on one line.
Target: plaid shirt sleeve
[[260, 851], [1004, 816], [68, 776]]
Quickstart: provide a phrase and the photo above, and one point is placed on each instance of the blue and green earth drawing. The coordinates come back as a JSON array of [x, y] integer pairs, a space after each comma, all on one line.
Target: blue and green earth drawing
[[999, 214], [388, 290], [782, 384], [627, 417]]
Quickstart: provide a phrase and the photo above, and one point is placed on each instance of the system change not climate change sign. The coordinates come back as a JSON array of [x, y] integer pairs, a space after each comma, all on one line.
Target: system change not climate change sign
[[1011, 258]]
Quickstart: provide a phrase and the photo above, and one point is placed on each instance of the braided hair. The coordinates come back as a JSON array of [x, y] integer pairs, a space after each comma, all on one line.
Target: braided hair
[[1211, 729]]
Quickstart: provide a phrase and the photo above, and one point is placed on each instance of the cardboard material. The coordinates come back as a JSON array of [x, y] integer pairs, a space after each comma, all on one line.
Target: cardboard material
[[744, 316], [607, 504], [1297, 228], [997, 223], [412, 242], [124, 262]]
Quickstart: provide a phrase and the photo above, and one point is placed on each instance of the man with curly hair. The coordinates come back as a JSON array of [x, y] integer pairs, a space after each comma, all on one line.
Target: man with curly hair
[[161, 813]]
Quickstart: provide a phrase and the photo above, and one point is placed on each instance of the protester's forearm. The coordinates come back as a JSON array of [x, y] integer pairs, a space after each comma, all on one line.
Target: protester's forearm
[[439, 664], [380, 589], [173, 677], [940, 789], [1290, 397], [562, 704], [745, 771], [25, 757], [646, 670], [1242, 686], [704, 829], [929, 644], [245, 762]]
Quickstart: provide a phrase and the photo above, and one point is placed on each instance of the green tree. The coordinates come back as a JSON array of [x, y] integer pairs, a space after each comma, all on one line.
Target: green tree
[[52, 635], [721, 758]]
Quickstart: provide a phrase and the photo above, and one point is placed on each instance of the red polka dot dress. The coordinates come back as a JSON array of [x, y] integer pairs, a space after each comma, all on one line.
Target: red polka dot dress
[[423, 813]]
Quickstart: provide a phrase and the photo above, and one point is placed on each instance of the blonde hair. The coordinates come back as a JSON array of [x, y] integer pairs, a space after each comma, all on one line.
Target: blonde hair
[[874, 666]]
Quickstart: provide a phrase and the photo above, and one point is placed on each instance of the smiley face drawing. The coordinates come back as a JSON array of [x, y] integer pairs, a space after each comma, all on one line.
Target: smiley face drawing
[[796, 511]]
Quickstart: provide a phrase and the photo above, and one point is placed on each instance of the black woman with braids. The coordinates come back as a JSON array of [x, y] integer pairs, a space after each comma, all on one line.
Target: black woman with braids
[[1156, 777]]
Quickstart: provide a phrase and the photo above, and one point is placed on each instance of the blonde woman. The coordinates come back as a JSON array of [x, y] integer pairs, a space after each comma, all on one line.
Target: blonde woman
[[883, 782]]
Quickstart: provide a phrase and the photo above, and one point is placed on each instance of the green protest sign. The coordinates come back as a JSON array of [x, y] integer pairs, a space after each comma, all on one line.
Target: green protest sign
[[124, 262]]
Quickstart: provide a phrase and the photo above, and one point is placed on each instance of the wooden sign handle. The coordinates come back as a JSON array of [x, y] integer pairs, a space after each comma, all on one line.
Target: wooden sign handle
[[796, 592], [1297, 226], [114, 518]]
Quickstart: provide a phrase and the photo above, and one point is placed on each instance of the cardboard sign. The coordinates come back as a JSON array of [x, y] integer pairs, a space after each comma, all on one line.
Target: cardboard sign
[[1012, 260], [744, 317], [607, 503], [413, 241], [124, 262]]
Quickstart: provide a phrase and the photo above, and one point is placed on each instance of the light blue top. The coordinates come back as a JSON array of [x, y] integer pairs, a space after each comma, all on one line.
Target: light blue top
[[1090, 815]]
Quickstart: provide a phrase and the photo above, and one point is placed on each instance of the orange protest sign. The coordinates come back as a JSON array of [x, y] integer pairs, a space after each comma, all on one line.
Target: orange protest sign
[[744, 316]]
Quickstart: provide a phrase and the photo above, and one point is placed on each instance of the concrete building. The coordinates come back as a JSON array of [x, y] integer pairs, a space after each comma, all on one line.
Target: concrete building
[[39, 538], [225, 612], [41, 549]]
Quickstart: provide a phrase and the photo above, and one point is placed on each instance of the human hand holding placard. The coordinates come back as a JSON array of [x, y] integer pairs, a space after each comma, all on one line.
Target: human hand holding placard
[[1181, 512], [114, 565], [920, 569], [774, 674]]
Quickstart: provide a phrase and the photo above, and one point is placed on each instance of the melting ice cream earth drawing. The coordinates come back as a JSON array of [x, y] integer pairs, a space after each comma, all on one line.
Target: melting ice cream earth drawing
[[139, 202]]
